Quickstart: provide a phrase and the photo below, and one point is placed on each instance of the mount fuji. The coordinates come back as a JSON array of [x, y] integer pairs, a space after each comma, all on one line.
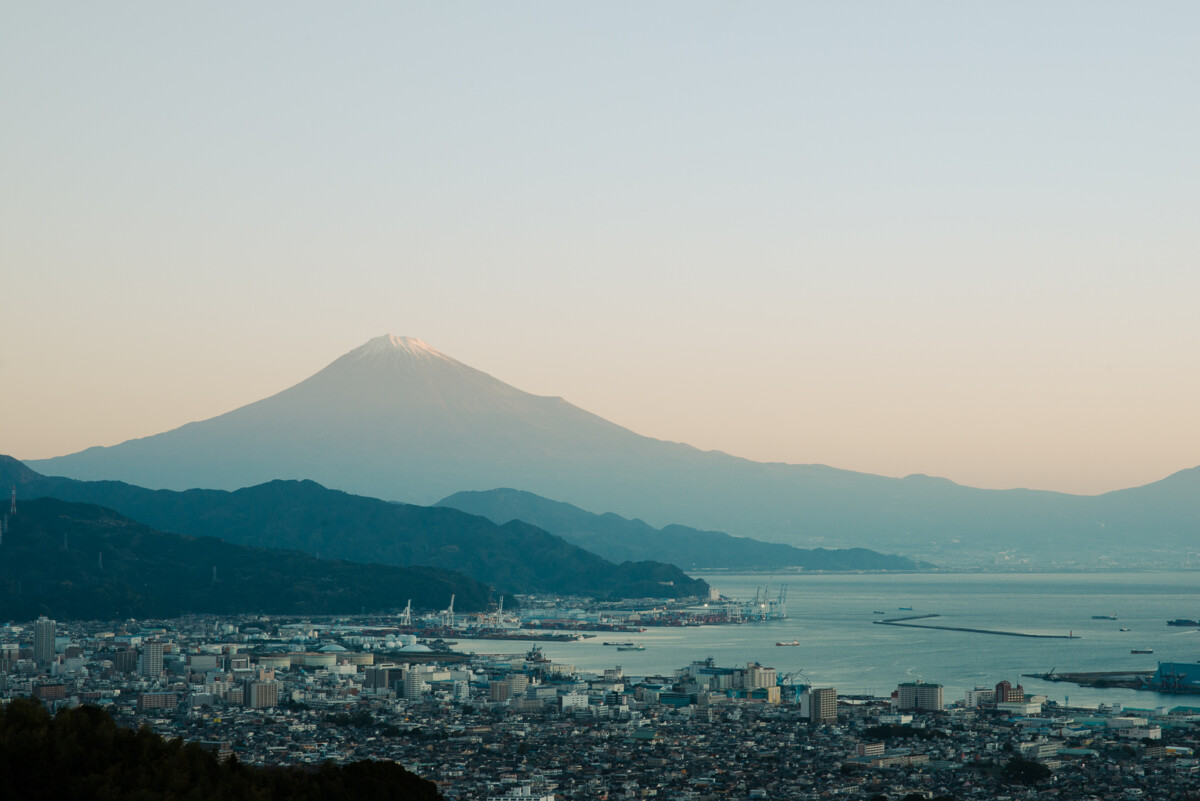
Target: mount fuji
[[394, 419], [397, 419]]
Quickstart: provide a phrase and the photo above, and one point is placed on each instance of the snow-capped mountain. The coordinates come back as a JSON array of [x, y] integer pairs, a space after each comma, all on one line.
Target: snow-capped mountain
[[398, 420]]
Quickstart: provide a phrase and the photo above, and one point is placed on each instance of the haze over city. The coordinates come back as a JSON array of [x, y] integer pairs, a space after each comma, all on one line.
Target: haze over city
[[942, 239]]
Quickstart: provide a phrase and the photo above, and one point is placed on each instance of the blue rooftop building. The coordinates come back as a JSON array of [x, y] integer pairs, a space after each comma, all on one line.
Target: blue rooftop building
[[1177, 677]]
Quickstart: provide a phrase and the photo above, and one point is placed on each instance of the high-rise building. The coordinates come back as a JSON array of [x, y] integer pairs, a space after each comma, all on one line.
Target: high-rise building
[[414, 685], [43, 641], [380, 677], [919, 695], [931, 697], [823, 705], [152, 659], [124, 659], [262, 694], [518, 683]]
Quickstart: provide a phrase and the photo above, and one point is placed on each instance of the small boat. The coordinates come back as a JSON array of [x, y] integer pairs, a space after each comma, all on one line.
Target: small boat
[[793, 642], [1142, 651], [1122, 629], [631, 647], [1104, 617]]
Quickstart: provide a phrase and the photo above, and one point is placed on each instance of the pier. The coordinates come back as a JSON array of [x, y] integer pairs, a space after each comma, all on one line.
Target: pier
[[906, 622]]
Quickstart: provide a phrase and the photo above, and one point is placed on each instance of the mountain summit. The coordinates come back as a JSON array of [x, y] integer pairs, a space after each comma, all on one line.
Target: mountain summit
[[394, 418], [398, 420], [392, 352], [390, 344]]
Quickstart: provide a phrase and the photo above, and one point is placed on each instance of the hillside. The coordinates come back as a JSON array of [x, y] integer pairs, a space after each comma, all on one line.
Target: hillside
[[617, 538], [304, 516], [72, 560]]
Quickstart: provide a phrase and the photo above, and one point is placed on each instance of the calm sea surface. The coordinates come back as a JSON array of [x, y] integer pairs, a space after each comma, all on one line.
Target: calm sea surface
[[839, 647]]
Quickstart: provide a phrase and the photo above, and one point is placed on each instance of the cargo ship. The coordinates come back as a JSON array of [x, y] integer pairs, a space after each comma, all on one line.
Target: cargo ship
[[793, 642]]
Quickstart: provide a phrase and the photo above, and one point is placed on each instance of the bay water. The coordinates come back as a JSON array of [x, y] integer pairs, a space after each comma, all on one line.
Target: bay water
[[830, 616]]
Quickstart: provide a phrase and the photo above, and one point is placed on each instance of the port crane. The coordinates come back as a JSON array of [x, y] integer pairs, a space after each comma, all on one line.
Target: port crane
[[788, 680], [768, 608], [406, 615]]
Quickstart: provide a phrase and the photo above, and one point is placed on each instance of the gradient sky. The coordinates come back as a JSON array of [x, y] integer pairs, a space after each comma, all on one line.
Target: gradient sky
[[953, 238]]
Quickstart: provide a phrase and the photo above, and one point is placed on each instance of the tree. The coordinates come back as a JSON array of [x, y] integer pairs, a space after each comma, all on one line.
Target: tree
[[82, 753], [1025, 771]]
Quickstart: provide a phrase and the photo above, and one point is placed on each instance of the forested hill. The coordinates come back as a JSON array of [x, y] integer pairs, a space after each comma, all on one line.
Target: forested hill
[[304, 516], [69, 560]]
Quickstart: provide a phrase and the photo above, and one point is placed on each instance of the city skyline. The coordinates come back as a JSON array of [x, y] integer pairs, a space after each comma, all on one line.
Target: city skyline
[[944, 240]]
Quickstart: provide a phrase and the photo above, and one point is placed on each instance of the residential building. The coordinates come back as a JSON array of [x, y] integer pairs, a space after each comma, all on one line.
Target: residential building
[[919, 695], [43, 641], [823, 705], [262, 694], [147, 701], [152, 659]]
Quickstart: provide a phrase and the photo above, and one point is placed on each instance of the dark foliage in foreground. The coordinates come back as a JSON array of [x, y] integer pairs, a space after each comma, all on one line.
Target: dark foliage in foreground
[[82, 754]]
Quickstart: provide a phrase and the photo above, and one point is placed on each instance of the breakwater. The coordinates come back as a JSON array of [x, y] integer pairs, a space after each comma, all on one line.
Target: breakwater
[[1127, 679], [907, 622]]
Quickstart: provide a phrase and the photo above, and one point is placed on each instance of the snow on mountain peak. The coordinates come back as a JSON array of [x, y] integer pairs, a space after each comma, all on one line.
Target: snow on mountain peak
[[390, 344]]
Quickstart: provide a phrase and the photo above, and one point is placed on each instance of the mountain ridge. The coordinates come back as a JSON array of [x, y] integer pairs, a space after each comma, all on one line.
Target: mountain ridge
[[418, 430], [307, 517], [618, 538]]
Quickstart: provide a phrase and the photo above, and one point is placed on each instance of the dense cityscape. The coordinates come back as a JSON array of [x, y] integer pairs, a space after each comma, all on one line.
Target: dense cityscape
[[272, 690]]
